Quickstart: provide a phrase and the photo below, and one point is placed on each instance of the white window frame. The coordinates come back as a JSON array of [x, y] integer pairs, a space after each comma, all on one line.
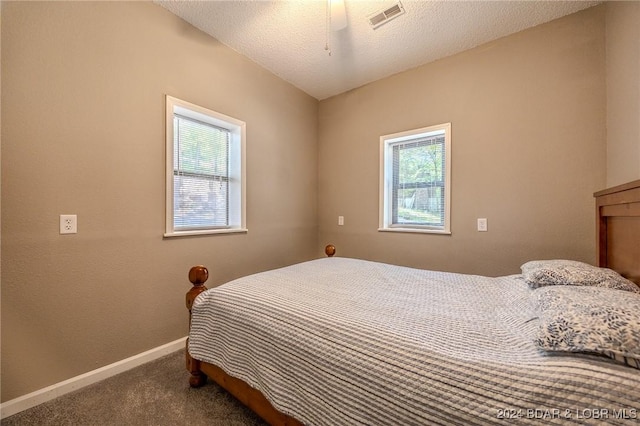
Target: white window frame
[[386, 179], [237, 182]]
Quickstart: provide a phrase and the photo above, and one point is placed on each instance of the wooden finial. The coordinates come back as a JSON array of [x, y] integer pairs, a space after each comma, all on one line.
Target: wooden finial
[[198, 275], [330, 250]]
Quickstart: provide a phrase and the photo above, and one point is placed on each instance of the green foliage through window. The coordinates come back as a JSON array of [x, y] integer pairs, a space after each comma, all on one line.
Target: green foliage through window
[[201, 174], [415, 180], [418, 182]]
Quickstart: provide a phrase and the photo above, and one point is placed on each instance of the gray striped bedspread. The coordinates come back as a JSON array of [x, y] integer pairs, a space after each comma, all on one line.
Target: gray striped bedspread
[[339, 341]]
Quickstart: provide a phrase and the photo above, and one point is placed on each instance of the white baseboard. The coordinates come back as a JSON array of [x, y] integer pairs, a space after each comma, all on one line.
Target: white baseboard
[[32, 399]]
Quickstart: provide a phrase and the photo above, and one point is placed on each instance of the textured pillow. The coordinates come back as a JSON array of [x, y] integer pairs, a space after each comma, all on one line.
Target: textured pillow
[[540, 273], [590, 320]]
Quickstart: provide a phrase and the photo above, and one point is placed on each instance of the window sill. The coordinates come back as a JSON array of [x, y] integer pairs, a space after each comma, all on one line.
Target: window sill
[[206, 232], [416, 230]]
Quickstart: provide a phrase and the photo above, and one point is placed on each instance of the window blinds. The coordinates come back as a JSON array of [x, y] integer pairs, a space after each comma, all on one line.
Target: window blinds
[[418, 193], [201, 174]]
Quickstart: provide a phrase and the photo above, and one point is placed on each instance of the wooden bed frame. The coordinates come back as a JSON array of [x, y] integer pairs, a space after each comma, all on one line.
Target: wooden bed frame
[[199, 370], [618, 248], [618, 229]]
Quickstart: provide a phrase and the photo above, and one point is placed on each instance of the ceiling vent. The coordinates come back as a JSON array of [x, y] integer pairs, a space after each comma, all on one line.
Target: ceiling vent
[[384, 16]]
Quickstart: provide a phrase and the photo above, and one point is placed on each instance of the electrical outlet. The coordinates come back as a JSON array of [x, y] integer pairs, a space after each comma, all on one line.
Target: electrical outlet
[[68, 224], [482, 224]]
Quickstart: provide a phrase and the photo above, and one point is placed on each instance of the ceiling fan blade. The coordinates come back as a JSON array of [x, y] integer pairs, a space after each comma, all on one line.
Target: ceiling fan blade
[[338, 15]]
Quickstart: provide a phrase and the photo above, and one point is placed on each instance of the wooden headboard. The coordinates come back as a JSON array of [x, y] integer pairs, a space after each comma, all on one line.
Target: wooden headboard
[[618, 229]]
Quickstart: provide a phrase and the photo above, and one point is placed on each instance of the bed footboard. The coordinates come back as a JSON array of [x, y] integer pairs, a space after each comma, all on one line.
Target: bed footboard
[[199, 371]]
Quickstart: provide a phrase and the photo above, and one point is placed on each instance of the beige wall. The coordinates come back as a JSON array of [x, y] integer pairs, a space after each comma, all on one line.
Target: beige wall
[[83, 88], [528, 132], [623, 91]]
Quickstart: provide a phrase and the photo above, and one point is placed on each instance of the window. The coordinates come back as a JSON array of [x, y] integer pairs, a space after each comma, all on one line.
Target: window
[[205, 171], [415, 175]]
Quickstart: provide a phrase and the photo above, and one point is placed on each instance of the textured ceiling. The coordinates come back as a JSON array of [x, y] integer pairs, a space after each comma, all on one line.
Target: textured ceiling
[[289, 37]]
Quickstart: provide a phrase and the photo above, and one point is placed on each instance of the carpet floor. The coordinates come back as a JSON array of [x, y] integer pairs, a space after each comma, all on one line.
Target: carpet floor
[[156, 393]]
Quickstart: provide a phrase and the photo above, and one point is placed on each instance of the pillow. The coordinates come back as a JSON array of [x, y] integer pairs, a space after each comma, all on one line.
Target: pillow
[[591, 320], [540, 273]]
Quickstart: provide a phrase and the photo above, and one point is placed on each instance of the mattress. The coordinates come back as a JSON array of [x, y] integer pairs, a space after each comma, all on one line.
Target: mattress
[[340, 341]]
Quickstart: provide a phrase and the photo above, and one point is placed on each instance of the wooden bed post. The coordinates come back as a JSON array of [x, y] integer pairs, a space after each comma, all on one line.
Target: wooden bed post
[[197, 275], [330, 250]]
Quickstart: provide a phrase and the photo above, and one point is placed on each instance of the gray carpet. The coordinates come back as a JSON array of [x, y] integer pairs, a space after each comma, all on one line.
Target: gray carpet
[[156, 393]]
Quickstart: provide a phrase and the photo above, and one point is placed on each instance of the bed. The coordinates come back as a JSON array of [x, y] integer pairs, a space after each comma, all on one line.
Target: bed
[[345, 341]]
